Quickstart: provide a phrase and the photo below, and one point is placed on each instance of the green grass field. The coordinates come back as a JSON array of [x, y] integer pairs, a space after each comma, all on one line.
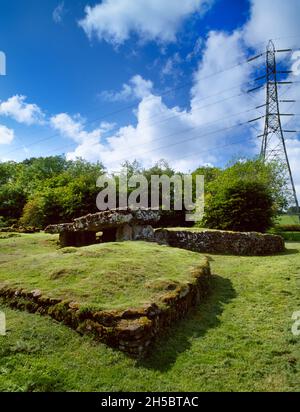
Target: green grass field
[[285, 228], [288, 220], [240, 339], [290, 236], [101, 276]]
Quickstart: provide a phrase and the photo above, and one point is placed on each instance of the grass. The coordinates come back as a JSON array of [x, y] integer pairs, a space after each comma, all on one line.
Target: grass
[[290, 236], [288, 220], [239, 340], [101, 276]]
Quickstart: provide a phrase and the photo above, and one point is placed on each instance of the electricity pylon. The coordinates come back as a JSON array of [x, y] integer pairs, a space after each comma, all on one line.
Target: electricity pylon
[[273, 142]]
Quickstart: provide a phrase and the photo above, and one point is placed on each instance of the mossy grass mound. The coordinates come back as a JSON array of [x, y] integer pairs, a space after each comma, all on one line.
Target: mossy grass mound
[[102, 276]]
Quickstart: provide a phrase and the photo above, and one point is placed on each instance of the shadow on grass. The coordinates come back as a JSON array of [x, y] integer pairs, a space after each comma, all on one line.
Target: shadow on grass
[[290, 252], [178, 339]]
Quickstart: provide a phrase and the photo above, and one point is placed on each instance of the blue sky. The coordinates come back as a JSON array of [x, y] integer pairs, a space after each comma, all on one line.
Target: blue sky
[[56, 66], [138, 80]]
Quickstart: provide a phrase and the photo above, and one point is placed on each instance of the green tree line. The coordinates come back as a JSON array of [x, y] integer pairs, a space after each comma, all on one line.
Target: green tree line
[[246, 195]]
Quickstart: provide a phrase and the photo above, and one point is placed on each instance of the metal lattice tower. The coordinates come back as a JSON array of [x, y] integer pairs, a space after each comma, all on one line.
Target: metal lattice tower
[[273, 142]]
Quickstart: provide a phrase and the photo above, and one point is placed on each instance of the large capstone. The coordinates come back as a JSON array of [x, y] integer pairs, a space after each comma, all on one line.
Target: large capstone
[[114, 225]]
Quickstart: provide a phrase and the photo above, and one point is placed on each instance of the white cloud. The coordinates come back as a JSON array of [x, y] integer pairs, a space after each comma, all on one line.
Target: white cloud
[[171, 67], [157, 134], [73, 127], [58, 13], [273, 19], [115, 20], [89, 149], [185, 138], [279, 20], [89, 145], [196, 49], [6, 135], [268, 19], [16, 108], [174, 133], [159, 129], [136, 88], [107, 126], [222, 50], [124, 94]]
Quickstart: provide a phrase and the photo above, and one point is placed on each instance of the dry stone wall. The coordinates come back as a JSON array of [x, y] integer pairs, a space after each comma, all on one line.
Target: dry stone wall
[[215, 241]]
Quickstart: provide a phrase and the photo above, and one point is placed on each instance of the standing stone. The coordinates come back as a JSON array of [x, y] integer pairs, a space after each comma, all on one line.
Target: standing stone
[[141, 232], [124, 233]]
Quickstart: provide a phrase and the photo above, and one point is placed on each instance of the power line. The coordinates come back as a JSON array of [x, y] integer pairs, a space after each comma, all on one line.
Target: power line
[[134, 104], [181, 114], [193, 138], [166, 92], [183, 131], [160, 121], [240, 141], [165, 119], [151, 117], [216, 147], [220, 147], [161, 94]]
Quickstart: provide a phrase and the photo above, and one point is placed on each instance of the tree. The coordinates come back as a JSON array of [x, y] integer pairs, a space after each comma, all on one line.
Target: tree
[[246, 196], [12, 200], [12, 194], [210, 173], [47, 190], [33, 213]]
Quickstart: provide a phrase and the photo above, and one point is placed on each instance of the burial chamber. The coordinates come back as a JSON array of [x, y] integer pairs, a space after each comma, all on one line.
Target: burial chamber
[[113, 225]]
